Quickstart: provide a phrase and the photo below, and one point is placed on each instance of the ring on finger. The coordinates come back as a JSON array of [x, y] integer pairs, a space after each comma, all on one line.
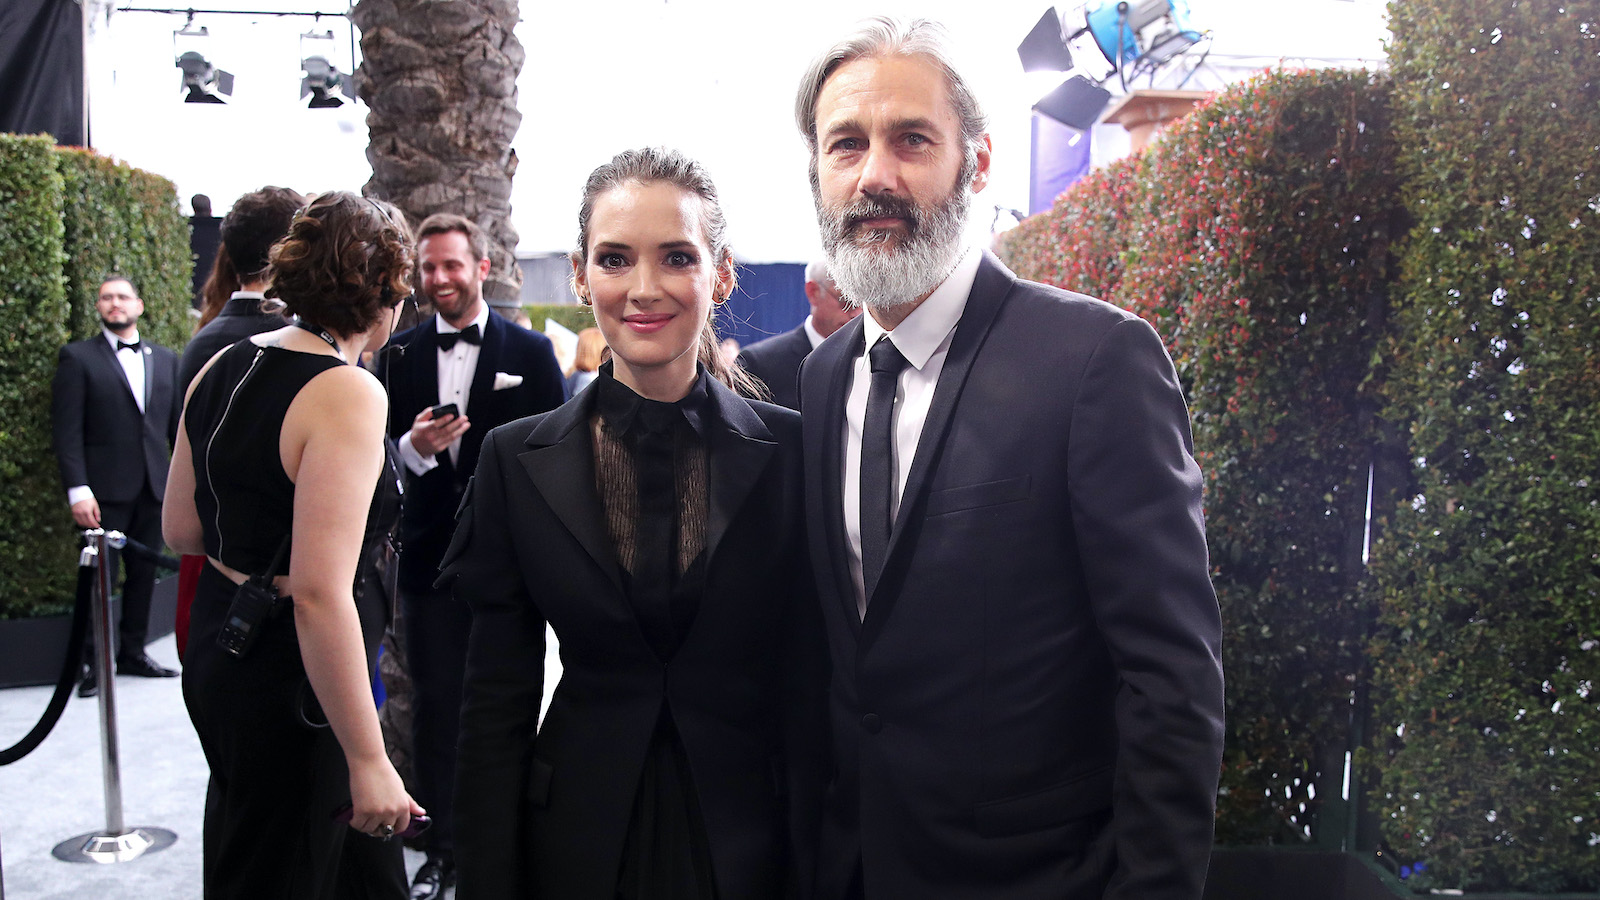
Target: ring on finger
[[386, 831]]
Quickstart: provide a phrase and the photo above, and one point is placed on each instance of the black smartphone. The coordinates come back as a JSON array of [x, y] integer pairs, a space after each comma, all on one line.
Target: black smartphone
[[444, 409]]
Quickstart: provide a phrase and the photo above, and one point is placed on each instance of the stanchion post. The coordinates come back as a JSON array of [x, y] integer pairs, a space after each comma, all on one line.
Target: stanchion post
[[110, 759], [116, 843]]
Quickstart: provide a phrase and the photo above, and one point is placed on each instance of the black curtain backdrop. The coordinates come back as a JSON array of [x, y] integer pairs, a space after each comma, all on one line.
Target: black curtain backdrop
[[41, 69]]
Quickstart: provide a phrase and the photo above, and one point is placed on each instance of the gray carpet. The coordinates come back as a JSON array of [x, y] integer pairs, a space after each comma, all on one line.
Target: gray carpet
[[58, 792]]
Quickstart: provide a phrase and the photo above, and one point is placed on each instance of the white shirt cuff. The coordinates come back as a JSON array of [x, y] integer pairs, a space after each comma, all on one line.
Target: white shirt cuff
[[416, 462], [79, 493]]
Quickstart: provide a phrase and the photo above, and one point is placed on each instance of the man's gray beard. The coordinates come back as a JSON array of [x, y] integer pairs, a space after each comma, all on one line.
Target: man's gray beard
[[871, 273]]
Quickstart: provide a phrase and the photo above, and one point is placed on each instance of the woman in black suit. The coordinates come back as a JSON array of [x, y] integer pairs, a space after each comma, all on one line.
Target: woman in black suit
[[655, 523]]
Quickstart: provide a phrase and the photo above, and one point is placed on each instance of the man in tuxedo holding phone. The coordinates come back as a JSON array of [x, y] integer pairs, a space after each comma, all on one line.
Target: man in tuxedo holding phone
[[114, 406], [1004, 518], [491, 372]]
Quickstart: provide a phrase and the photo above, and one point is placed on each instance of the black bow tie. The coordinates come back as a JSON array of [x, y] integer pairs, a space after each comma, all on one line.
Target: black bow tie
[[470, 334], [124, 345]]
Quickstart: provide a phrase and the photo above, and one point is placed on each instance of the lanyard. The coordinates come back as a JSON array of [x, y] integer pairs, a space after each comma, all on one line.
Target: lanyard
[[321, 333]]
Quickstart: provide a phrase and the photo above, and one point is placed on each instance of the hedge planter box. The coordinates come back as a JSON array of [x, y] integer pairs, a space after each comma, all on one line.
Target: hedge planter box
[[31, 649], [1282, 874]]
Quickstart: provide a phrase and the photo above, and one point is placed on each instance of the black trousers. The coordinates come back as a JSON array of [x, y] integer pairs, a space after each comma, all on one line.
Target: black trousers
[[276, 781], [436, 628], [139, 519]]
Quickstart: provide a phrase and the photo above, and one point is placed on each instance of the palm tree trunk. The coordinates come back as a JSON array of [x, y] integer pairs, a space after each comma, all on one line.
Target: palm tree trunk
[[440, 80]]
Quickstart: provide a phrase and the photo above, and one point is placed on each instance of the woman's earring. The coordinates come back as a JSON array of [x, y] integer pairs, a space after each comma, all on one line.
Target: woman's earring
[[583, 298]]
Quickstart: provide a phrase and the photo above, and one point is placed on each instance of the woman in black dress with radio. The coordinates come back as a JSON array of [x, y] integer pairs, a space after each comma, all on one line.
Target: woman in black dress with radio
[[655, 523], [279, 474]]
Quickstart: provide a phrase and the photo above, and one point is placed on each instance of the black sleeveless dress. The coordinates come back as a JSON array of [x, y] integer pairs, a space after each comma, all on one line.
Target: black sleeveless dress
[[277, 772]]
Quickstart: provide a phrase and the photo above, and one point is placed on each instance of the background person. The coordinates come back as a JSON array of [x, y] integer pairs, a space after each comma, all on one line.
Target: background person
[[114, 403], [256, 222], [654, 522], [233, 310], [586, 362], [1005, 521], [492, 372], [776, 360], [283, 437]]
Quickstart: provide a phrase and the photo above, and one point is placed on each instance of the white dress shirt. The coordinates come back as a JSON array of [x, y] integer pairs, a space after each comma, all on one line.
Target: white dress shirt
[[924, 340], [456, 368], [813, 335], [133, 366]]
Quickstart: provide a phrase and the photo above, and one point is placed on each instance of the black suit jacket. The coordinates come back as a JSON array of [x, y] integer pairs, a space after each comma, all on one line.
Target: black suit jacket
[[428, 515], [776, 361], [99, 435], [1032, 707], [543, 811], [240, 318]]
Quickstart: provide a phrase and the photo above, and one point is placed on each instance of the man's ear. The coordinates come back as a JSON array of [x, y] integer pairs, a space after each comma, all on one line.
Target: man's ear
[[483, 269], [980, 178]]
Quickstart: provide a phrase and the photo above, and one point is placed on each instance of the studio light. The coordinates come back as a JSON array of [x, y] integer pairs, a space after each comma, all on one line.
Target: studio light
[[1075, 103], [324, 84], [1141, 33], [321, 79], [202, 82], [1044, 49]]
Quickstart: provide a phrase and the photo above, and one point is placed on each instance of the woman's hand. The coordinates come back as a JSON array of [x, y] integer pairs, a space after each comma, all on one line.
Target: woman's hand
[[378, 798]]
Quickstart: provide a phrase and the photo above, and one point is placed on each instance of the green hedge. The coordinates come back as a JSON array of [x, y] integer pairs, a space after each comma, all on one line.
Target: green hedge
[[121, 219], [67, 217], [573, 316], [1261, 236], [1256, 236], [37, 562], [1489, 574]]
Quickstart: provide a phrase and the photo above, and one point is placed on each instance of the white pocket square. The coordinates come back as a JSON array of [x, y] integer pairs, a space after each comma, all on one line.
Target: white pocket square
[[504, 380]]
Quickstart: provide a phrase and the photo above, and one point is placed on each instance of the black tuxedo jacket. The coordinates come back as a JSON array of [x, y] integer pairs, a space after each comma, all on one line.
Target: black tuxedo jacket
[[100, 437], [776, 361], [412, 378], [544, 811], [1032, 707], [240, 318]]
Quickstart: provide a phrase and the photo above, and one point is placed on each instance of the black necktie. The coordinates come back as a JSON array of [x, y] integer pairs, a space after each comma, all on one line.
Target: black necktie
[[123, 345], [877, 459], [447, 339]]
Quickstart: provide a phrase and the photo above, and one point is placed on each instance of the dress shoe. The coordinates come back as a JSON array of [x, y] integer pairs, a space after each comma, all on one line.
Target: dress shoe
[[435, 875], [144, 667], [88, 685]]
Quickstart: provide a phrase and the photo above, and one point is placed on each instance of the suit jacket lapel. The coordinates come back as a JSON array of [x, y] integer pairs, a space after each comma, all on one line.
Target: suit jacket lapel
[[423, 357], [738, 448], [827, 424], [989, 290], [560, 462], [149, 374], [480, 394], [482, 389]]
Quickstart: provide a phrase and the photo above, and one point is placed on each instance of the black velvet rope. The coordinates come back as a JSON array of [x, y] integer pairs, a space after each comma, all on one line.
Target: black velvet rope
[[70, 663]]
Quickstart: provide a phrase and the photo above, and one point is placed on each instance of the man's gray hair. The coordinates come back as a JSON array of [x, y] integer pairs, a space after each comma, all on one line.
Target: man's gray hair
[[817, 271], [886, 36]]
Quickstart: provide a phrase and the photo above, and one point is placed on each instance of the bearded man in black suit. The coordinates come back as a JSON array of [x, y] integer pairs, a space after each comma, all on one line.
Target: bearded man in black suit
[[114, 406], [1004, 518]]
